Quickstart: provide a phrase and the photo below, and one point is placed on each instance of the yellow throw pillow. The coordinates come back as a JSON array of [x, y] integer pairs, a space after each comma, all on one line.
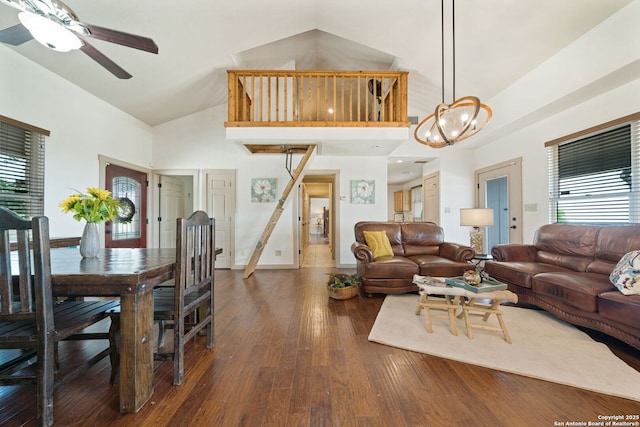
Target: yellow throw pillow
[[379, 243]]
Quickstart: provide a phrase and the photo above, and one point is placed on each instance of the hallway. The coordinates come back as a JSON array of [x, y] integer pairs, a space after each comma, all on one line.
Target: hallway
[[318, 253]]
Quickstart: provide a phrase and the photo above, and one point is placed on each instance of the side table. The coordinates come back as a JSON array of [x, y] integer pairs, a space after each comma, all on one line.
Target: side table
[[480, 258], [451, 303], [472, 304]]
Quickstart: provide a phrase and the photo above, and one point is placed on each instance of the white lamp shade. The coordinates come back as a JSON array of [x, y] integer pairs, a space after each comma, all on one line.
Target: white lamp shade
[[476, 217]]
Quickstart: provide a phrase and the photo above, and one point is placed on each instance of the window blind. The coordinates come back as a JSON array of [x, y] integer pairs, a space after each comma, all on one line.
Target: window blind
[[595, 179], [21, 170]]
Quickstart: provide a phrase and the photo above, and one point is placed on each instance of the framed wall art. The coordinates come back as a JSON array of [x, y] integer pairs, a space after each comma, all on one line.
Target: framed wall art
[[363, 191], [263, 190]]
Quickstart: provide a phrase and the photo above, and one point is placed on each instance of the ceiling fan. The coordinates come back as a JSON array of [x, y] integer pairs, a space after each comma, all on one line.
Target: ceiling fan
[[56, 26]]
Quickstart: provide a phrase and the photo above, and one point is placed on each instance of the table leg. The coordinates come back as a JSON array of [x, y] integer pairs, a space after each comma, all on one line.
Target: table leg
[[136, 352], [451, 311], [484, 311], [503, 326], [427, 315], [467, 322], [422, 299]]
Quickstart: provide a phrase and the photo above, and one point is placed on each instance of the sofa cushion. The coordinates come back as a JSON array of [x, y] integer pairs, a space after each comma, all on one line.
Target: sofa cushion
[[616, 240], [579, 290], [626, 274], [437, 266], [571, 262], [620, 308], [422, 238], [396, 267], [379, 243], [392, 230], [570, 246], [518, 272]]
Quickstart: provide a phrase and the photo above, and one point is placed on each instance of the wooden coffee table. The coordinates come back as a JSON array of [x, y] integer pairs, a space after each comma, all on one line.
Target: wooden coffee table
[[471, 304]]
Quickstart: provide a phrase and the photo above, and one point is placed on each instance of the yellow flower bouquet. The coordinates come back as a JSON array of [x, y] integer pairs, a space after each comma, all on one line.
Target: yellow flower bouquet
[[96, 205]]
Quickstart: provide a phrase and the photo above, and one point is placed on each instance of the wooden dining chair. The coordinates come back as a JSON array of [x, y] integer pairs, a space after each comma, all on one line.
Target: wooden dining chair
[[187, 305], [30, 319]]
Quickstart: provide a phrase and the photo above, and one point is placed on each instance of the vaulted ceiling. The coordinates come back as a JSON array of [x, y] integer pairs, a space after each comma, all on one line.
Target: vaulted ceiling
[[497, 42]]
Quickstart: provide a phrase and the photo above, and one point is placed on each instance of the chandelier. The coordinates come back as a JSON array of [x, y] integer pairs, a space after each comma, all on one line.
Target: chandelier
[[451, 123]]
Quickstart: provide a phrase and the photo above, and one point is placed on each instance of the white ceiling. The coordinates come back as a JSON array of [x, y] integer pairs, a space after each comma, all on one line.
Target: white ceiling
[[497, 42]]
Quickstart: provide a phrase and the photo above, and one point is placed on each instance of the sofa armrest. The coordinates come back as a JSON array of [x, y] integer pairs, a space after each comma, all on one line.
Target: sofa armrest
[[456, 252], [514, 252], [362, 252]]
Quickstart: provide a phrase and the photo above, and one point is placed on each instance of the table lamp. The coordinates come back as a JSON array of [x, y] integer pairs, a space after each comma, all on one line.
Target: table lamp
[[477, 218]]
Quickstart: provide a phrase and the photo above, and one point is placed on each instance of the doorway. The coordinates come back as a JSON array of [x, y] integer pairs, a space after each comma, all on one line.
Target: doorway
[[319, 220], [317, 237], [498, 200], [175, 200], [500, 188], [431, 204], [129, 186], [220, 202]]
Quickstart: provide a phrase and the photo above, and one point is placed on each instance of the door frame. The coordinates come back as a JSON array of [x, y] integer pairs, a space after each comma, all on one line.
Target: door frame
[[155, 180], [512, 169], [334, 215], [102, 180]]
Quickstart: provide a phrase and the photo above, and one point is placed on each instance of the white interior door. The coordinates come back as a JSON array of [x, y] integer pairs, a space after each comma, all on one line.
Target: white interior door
[[221, 187], [171, 208], [500, 187], [431, 203]]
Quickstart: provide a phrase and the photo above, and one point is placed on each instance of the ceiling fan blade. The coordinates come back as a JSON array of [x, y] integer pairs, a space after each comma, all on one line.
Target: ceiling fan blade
[[15, 35], [101, 59], [125, 39]]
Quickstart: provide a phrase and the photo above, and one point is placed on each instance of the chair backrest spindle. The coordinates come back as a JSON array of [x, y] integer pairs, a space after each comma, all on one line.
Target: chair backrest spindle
[[12, 223]]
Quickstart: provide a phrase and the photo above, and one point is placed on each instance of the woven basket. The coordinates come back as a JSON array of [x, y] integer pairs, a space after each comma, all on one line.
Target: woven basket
[[343, 293]]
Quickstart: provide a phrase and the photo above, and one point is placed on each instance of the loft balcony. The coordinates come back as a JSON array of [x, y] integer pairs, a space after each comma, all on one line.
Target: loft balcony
[[317, 105]]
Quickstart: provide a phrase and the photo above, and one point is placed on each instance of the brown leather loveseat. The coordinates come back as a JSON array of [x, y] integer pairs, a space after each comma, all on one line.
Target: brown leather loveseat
[[418, 248], [566, 272]]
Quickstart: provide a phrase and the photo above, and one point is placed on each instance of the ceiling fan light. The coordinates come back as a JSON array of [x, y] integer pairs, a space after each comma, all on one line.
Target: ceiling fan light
[[48, 33]]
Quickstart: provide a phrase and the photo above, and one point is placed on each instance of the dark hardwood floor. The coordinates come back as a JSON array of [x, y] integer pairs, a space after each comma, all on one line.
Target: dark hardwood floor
[[287, 355]]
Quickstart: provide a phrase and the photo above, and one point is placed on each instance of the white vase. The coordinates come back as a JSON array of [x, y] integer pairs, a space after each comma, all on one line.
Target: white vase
[[90, 242]]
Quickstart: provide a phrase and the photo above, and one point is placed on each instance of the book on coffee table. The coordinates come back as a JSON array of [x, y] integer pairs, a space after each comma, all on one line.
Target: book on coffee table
[[487, 285]]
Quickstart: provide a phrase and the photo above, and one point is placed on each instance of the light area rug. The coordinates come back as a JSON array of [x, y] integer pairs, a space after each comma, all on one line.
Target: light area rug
[[543, 347]]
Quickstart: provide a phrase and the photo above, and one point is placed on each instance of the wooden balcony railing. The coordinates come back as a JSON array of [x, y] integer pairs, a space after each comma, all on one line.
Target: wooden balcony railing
[[259, 98]]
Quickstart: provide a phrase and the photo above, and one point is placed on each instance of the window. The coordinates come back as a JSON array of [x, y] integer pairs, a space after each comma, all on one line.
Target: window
[[594, 179], [22, 167]]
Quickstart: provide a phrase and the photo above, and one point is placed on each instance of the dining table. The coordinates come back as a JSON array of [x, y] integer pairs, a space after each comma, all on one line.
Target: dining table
[[130, 275]]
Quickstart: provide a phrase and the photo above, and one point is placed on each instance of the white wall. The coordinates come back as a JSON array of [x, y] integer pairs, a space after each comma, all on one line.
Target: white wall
[[529, 143], [199, 141], [456, 169], [590, 82], [82, 126]]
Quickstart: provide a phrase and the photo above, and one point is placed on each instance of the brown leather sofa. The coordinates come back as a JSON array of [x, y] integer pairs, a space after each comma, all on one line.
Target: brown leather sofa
[[418, 248], [566, 272]]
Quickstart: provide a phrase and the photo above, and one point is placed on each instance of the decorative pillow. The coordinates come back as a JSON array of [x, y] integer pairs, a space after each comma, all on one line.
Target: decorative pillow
[[379, 243], [626, 275]]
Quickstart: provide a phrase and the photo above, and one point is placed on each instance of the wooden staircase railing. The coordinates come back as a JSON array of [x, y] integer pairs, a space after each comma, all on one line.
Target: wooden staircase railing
[[259, 98]]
